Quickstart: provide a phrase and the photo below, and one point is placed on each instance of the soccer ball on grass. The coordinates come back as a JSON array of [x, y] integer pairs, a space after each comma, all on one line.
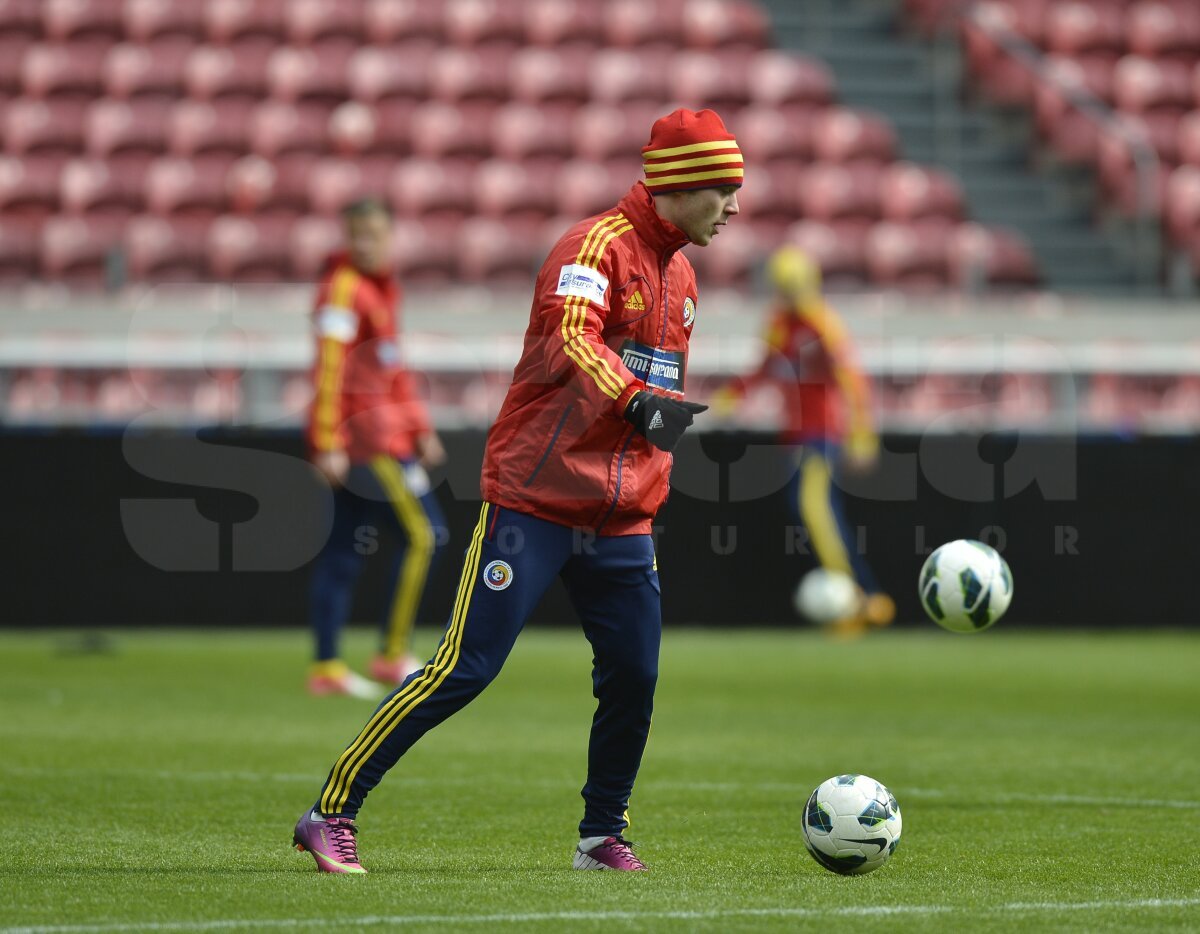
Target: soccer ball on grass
[[851, 824]]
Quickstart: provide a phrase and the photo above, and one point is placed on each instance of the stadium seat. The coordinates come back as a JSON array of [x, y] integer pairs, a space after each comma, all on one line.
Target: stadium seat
[[356, 128], [202, 127], [977, 256], [12, 60], [29, 188], [307, 22], [586, 188], [542, 76], [278, 128], [195, 187], [114, 127], [709, 79], [311, 241], [849, 136], [79, 248], [159, 249], [1084, 26], [735, 255], [654, 27], [769, 199], [1068, 131], [76, 19], [20, 19], [619, 76], [1188, 138], [567, 25], [217, 72], [708, 24], [44, 128], [243, 249], [1157, 29], [379, 73], [788, 81], [515, 192], [62, 70], [308, 75], [840, 251], [228, 21], [431, 189], [1143, 85], [909, 255], [423, 253], [1182, 205], [389, 21], [97, 187], [604, 131], [489, 253], [1116, 163], [523, 131], [476, 23], [278, 189], [441, 130], [333, 183], [458, 75], [909, 192], [147, 20], [20, 242], [145, 69], [835, 192], [767, 137]]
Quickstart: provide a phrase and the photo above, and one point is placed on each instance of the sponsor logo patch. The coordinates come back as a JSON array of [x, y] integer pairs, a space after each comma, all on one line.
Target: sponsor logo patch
[[689, 311], [339, 323], [635, 302], [498, 575], [582, 282], [662, 369]]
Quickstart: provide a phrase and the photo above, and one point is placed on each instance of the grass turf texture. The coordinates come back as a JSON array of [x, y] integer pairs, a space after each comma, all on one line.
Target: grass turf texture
[[1046, 782]]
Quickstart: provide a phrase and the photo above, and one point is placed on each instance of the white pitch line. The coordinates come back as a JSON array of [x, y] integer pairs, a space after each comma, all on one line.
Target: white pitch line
[[535, 917]]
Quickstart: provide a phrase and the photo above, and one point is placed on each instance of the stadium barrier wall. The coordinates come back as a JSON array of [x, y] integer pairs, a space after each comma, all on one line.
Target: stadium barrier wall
[[217, 528]]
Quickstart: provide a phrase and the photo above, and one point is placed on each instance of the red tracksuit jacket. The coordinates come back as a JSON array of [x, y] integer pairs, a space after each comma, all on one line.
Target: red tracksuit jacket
[[364, 400], [612, 313]]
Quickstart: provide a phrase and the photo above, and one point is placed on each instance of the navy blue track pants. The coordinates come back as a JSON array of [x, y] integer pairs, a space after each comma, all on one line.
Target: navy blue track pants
[[512, 559]]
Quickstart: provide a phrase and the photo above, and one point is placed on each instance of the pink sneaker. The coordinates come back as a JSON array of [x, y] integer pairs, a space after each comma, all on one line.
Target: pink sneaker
[[393, 671], [330, 840], [613, 853]]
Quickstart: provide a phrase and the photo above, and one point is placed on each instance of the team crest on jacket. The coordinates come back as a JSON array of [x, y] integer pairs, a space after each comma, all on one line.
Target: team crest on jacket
[[498, 575], [689, 312]]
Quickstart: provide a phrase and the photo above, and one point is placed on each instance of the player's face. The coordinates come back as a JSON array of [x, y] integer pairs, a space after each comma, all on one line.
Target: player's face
[[369, 238], [701, 213]]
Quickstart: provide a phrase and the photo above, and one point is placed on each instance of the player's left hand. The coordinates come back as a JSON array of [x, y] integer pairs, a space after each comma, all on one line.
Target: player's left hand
[[430, 452]]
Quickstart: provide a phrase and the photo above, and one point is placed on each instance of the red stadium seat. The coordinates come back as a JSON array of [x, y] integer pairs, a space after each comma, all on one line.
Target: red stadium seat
[[1142, 85], [310, 243], [541, 76], [1188, 138], [1157, 29], [522, 131], [841, 135], [831, 191], [908, 255], [403, 20], [64, 70], [634, 24], [488, 253], [458, 75], [159, 249], [114, 127], [278, 128], [909, 192], [12, 60], [783, 80], [1116, 163], [603, 132], [473, 23], [1183, 205], [710, 79], [310, 74], [145, 20], [767, 137], [96, 187], [432, 189], [187, 187], [619, 76], [1052, 103], [243, 249], [977, 256], [586, 188], [515, 192], [317, 21], [378, 73], [143, 69], [423, 253], [769, 199], [20, 19], [733, 256], [74, 19], [334, 183], [201, 127], [216, 72], [839, 251], [440, 131], [569, 25], [231, 20], [724, 23], [1080, 26], [79, 248], [258, 186], [29, 187], [356, 128], [20, 242], [44, 127]]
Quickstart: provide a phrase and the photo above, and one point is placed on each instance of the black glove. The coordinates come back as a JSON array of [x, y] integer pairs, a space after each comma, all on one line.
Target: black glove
[[661, 420]]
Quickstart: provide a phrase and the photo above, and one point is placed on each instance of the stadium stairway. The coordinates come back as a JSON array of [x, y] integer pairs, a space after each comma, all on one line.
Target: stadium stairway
[[917, 85]]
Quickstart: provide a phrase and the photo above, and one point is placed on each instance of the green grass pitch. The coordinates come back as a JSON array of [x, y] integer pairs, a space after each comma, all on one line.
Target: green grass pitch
[[1047, 782]]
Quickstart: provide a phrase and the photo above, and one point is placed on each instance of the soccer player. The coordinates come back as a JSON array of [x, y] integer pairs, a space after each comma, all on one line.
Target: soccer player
[[576, 466], [827, 399], [371, 438]]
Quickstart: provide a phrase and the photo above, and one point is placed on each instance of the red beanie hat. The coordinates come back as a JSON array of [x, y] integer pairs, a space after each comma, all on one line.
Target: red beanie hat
[[689, 150]]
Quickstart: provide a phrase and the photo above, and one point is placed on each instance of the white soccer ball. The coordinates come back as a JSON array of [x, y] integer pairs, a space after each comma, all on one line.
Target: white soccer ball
[[851, 824], [965, 586], [824, 597]]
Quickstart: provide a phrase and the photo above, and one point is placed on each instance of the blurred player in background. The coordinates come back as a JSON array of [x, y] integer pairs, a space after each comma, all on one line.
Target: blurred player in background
[[371, 438], [576, 467], [828, 422]]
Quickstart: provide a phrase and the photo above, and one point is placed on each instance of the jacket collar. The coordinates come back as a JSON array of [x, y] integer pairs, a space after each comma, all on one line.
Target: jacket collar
[[660, 235]]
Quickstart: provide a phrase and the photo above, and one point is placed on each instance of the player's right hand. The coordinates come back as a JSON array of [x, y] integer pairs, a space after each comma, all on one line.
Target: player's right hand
[[661, 420], [334, 466]]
